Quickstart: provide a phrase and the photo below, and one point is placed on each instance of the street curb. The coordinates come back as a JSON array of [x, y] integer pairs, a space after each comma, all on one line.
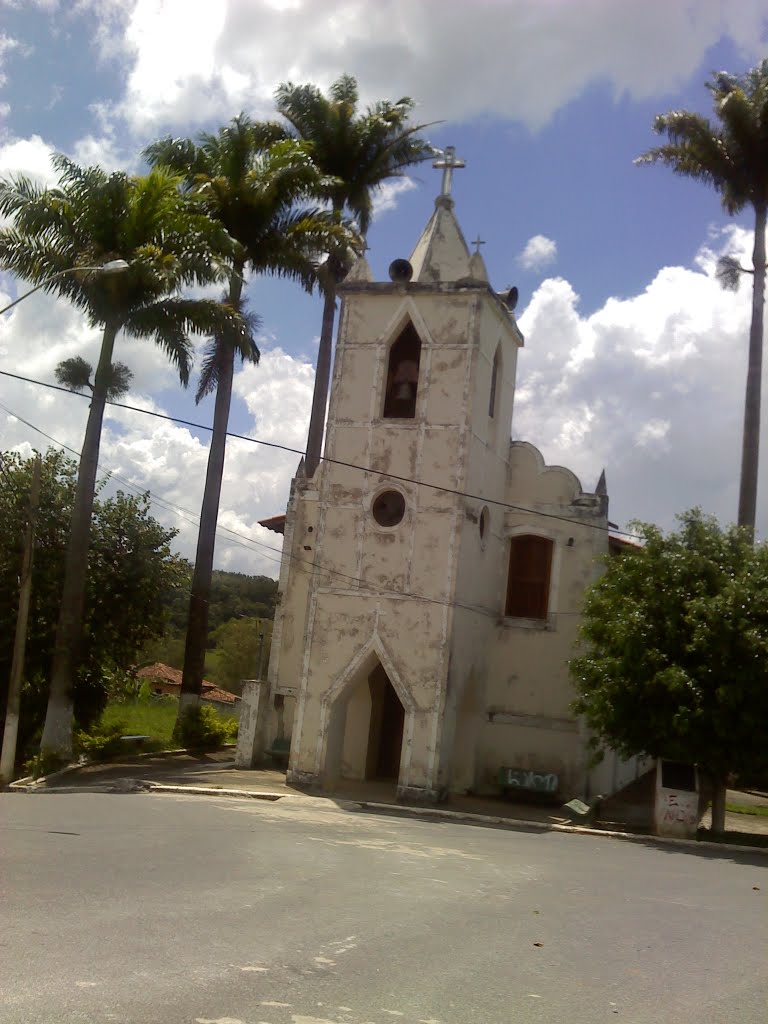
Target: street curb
[[161, 787], [402, 811], [30, 782], [128, 785], [539, 826]]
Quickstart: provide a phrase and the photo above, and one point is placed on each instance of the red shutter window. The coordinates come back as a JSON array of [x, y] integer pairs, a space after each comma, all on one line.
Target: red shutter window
[[530, 565]]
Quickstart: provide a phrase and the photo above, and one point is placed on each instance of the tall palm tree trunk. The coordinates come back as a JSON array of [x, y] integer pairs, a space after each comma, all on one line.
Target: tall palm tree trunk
[[751, 437], [322, 384], [750, 450], [197, 622], [57, 731]]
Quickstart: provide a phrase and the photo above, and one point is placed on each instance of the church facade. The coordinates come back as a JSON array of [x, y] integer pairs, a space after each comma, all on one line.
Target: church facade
[[433, 571]]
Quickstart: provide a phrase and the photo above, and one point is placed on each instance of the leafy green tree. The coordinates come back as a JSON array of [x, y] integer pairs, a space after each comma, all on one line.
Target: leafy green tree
[[674, 658], [234, 596], [239, 651], [358, 152], [255, 183], [90, 219], [130, 571], [731, 156]]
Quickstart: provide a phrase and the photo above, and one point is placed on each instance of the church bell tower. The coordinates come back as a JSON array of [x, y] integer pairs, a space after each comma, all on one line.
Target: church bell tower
[[377, 541]]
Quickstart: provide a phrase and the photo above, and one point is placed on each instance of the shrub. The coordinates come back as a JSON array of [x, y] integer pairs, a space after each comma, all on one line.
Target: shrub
[[43, 763], [102, 741], [201, 728]]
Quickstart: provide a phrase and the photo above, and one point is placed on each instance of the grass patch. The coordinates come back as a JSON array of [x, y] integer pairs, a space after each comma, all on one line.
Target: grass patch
[[757, 809], [155, 719]]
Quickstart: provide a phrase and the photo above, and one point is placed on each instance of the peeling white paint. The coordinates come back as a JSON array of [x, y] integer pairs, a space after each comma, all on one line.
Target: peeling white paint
[[425, 600]]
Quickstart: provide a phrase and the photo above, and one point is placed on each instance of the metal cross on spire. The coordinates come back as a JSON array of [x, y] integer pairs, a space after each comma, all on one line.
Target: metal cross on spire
[[477, 243], [446, 162]]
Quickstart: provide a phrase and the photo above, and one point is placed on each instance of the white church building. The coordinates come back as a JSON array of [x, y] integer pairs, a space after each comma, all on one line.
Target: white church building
[[433, 570]]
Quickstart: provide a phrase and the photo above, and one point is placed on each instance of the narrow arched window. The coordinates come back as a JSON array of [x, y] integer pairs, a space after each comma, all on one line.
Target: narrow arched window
[[494, 382], [530, 567], [403, 375]]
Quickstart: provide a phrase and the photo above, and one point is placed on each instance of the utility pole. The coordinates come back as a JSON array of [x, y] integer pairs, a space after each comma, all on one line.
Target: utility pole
[[10, 733]]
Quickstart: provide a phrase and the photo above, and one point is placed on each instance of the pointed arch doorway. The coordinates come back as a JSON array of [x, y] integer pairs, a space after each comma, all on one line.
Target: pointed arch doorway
[[385, 732], [367, 725]]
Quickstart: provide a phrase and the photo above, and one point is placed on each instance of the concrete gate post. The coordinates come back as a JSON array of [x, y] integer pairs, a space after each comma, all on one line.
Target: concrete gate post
[[251, 735]]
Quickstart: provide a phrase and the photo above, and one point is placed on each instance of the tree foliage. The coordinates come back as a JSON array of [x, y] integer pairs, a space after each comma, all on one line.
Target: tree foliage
[[357, 152], [235, 597], [262, 188], [58, 239], [237, 646], [674, 648], [130, 571]]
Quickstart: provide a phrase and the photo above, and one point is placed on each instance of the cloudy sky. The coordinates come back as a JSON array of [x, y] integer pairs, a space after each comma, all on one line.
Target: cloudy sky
[[634, 358]]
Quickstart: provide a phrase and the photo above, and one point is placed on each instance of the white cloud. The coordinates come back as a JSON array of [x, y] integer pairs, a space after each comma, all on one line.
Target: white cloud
[[164, 457], [102, 151], [521, 61], [650, 387], [7, 44], [31, 157], [539, 252], [386, 197]]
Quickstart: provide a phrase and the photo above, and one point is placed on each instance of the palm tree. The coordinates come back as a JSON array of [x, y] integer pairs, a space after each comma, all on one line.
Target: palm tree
[[253, 180], [360, 151], [92, 218], [732, 156]]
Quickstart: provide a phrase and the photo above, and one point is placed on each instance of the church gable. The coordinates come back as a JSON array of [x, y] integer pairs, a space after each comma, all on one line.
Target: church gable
[[530, 475]]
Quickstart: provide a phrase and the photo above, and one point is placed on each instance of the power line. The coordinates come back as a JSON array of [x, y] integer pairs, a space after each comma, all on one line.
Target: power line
[[303, 564], [325, 458]]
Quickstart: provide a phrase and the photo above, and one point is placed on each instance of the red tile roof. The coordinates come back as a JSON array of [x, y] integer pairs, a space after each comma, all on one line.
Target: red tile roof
[[172, 677], [274, 523]]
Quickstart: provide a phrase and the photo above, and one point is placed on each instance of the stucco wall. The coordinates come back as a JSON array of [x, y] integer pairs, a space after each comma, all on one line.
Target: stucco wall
[[425, 599]]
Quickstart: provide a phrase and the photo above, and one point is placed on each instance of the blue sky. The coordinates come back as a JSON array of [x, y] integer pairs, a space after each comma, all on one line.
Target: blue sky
[[633, 359]]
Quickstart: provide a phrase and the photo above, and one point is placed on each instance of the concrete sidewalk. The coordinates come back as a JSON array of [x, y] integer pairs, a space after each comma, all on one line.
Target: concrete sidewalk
[[217, 772]]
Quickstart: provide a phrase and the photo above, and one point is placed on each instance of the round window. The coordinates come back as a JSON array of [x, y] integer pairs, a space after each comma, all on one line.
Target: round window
[[389, 508]]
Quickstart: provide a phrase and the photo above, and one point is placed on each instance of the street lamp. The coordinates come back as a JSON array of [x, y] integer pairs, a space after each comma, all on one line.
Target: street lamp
[[109, 268]]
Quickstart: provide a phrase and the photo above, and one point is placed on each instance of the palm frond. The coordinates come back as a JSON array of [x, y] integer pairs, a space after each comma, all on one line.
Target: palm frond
[[119, 380], [181, 156], [222, 349], [171, 321], [729, 272], [211, 370], [74, 373], [730, 155], [361, 151]]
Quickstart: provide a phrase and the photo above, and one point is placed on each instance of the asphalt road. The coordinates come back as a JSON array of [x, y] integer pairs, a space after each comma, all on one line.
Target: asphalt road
[[158, 909]]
